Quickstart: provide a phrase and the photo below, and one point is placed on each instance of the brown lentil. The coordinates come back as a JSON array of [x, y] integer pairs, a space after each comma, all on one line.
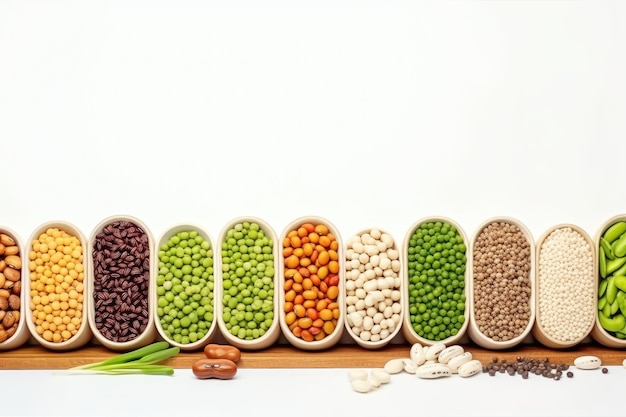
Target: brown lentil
[[121, 262], [502, 281], [10, 286]]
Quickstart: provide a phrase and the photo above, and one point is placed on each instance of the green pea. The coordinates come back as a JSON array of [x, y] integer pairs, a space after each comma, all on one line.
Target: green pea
[[186, 284], [247, 253], [436, 280]]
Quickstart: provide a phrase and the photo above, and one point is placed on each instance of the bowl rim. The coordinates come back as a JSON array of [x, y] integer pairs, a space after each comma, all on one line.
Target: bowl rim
[[149, 333], [274, 332], [332, 339], [539, 332], [474, 333], [211, 332], [83, 335], [409, 333], [382, 342], [21, 334]]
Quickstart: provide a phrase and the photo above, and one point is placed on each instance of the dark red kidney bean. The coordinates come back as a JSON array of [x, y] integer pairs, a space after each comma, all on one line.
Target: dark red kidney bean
[[214, 368], [121, 261]]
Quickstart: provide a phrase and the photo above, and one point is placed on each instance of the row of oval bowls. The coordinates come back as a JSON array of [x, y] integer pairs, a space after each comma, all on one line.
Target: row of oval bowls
[[469, 331]]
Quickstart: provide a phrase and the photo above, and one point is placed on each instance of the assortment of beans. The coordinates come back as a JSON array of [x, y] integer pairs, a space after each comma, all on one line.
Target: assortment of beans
[[612, 286], [247, 281], [185, 287], [121, 281], [311, 281], [502, 260], [10, 286], [436, 256], [373, 286], [566, 285], [57, 290]]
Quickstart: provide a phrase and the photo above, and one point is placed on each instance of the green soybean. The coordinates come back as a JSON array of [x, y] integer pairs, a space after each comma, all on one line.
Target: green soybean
[[185, 287], [247, 255], [436, 255], [615, 231], [612, 324]]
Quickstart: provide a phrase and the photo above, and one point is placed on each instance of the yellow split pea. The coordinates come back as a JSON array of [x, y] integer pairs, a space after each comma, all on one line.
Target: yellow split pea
[[56, 284]]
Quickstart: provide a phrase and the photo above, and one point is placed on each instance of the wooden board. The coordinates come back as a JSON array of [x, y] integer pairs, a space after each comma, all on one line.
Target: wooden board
[[284, 356]]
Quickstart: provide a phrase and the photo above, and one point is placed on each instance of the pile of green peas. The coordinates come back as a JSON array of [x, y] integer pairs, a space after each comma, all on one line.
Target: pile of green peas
[[247, 281], [436, 280], [184, 287]]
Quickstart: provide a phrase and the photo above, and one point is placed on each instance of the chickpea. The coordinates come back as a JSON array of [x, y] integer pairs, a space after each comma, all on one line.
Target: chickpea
[[56, 284]]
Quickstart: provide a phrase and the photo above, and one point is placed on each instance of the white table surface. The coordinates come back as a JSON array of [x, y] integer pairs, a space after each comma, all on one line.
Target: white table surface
[[310, 392]]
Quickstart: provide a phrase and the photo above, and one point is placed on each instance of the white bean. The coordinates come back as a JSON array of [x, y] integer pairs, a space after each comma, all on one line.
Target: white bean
[[417, 354], [381, 375], [362, 385], [433, 371], [432, 352], [450, 352], [394, 366], [587, 362], [455, 362], [470, 368]]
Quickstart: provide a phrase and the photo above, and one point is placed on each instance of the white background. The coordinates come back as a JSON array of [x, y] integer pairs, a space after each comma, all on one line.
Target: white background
[[367, 113]]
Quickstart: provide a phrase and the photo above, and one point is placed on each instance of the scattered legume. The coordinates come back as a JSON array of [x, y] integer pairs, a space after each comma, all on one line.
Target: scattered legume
[[436, 280], [121, 278], [524, 367], [56, 284], [10, 286], [217, 351], [566, 285], [502, 281], [185, 285], [247, 281], [214, 369], [373, 286], [311, 281]]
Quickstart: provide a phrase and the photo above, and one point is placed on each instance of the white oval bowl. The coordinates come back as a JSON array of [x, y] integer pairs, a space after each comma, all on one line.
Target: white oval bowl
[[21, 334], [377, 274], [211, 331], [407, 329], [330, 339], [599, 333], [273, 332], [540, 332], [473, 330], [148, 334], [83, 335]]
